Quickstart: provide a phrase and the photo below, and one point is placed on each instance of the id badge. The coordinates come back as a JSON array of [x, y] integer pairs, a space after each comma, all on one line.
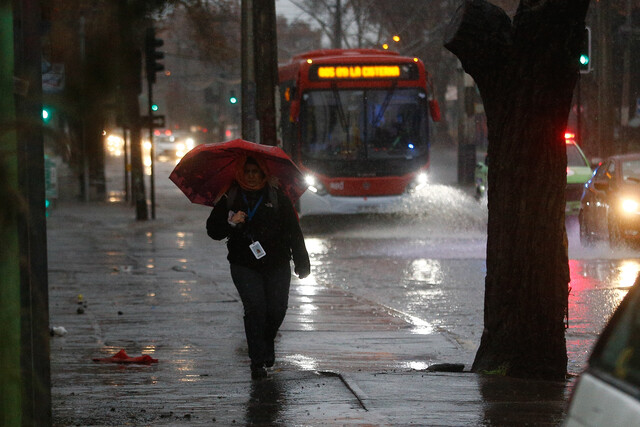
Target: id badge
[[257, 250]]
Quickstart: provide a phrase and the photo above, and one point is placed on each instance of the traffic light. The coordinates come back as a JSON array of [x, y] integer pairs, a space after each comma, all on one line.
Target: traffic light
[[46, 114], [232, 98], [585, 52], [152, 55], [154, 107]]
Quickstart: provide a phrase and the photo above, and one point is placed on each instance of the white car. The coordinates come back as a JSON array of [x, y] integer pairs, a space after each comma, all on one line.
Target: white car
[[607, 393], [172, 144]]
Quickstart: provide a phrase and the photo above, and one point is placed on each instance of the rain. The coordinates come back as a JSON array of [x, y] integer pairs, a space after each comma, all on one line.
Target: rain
[[117, 258]]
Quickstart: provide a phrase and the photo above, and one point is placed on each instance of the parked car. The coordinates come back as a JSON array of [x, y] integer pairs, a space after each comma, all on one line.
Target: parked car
[[607, 393], [578, 172], [610, 206]]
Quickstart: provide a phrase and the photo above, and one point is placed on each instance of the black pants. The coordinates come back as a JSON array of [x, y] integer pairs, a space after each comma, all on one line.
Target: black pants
[[265, 295]]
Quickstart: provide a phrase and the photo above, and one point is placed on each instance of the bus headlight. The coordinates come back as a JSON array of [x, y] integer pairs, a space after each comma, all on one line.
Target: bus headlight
[[420, 181], [314, 185]]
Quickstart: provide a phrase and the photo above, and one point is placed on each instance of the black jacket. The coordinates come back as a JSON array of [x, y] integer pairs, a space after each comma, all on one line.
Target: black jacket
[[275, 225]]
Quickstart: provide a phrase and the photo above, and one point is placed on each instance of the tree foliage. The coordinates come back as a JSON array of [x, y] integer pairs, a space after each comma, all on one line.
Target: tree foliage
[[296, 37], [214, 27]]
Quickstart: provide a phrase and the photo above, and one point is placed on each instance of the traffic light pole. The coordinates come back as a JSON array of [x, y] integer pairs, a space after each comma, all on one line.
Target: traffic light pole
[[152, 67], [152, 153]]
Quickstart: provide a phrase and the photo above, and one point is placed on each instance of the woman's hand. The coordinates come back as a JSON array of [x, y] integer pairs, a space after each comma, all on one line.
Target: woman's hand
[[238, 217], [302, 271]]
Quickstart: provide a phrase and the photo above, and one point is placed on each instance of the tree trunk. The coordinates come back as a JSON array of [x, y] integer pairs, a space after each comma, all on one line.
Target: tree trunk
[[526, 71]]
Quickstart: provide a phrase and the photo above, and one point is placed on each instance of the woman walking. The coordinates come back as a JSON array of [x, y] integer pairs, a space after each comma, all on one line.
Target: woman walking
[[263, 234]]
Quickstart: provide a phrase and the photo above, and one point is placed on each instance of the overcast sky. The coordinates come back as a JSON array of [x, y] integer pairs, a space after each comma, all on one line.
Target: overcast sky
[[286, 8]]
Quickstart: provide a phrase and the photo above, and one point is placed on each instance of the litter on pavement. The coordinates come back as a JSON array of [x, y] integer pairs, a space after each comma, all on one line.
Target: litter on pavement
[[123, 357]]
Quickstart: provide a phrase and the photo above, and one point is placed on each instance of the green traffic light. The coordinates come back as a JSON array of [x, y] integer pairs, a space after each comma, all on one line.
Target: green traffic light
[[154, 107], [45, 115], [584, 59], [233, 100]]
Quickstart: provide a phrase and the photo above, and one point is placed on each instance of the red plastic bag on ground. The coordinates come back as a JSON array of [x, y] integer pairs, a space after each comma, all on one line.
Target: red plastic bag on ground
[[123, 357]]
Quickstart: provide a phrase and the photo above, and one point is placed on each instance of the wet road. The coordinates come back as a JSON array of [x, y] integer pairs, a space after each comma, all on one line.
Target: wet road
[[429, 266], [433, 276]]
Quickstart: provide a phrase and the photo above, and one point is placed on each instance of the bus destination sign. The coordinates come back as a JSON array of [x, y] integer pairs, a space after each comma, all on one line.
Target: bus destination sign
[[363, 72]]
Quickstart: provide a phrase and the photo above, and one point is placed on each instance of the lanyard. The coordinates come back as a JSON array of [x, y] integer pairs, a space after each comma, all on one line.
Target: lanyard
[[252, 212]]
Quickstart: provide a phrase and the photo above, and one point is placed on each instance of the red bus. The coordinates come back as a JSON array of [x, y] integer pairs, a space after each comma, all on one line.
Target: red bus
[[356, 122]]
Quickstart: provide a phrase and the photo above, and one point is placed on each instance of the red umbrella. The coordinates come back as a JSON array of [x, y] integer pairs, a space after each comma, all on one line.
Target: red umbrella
[[205, 173]]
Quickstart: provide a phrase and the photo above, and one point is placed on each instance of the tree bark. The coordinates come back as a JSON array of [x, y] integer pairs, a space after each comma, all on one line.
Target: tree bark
[[525, 71]]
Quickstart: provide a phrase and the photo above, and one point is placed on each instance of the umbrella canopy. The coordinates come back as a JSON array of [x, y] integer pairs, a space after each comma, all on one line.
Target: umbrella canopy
[[207, 171]]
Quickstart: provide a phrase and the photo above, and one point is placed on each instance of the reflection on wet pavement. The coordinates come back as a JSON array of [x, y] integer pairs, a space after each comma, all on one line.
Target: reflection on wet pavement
[[540, 402], [596, 289], [265, 402], [371, 289], [374, 330]]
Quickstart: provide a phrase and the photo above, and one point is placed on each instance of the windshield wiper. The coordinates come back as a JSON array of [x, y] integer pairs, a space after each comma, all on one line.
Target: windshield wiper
[[341, 115], [385, 103]]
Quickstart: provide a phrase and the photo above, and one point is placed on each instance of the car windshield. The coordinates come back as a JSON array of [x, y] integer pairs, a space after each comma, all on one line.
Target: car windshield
[[364, 124], [574, 157], [631, 171]]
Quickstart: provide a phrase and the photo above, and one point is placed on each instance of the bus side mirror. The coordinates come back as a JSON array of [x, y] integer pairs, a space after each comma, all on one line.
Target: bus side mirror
[[294, 112], [434, 109]]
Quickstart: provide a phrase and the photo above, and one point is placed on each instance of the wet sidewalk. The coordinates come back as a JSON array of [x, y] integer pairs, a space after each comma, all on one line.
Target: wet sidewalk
[[163, 288]]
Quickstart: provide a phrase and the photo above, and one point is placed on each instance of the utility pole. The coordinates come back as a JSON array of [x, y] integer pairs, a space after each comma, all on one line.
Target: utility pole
[[34, 351], [337, 28], [606, 143], [626, 77], [266, 68], [83, 119], [248, 95], [130, 71]]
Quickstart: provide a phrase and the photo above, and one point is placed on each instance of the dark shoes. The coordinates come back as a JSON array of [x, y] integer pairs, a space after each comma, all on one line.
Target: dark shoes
[[271, 355], [258, 372]]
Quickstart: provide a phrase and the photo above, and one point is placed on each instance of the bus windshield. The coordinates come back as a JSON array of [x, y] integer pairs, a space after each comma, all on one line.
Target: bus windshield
[[387, 123]]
